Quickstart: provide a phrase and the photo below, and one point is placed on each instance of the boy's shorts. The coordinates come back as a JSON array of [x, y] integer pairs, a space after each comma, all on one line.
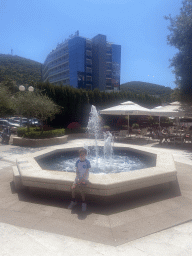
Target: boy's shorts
[[79, 188]]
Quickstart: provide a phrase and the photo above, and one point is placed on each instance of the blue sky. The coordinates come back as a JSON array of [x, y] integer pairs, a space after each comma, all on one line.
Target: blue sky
[[32, 28]]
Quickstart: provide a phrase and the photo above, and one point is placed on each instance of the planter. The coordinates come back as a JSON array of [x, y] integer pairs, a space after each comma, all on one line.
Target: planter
[[18, 141]]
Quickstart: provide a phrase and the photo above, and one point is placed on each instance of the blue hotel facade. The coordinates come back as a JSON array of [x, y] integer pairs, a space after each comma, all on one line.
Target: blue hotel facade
[[84, 63]]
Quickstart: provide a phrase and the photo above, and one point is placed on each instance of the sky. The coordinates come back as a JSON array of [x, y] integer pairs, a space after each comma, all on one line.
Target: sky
[[32, 28]]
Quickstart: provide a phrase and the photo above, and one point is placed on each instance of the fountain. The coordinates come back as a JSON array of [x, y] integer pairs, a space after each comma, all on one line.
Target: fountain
[[110, 173], [103, 159]]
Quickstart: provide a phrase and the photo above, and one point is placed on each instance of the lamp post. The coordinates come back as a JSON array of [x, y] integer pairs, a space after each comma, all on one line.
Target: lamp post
[[22, 89]]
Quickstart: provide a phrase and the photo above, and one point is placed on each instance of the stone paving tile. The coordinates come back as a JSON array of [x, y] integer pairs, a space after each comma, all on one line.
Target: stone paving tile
[[187, 194], [72, 246], [155, 247], [153, 209], [16, 242], [5, 190], [38, 209], [184, 213], [20, 219], [5, 203], [76, 229], [4, 164], [177, 202], [143, 227], [18, 206], [89, 218], [183, 240], [185, 228], [122, 218]]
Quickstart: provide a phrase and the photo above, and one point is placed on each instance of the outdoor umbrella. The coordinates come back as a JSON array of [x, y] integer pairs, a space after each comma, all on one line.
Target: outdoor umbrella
[[173, 109], [126, 108]]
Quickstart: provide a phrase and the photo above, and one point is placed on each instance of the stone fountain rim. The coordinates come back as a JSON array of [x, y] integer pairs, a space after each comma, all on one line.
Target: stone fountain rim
[[30, 174]]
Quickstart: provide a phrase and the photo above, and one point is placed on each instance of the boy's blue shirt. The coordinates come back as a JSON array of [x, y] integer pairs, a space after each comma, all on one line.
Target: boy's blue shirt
[[82, 166]]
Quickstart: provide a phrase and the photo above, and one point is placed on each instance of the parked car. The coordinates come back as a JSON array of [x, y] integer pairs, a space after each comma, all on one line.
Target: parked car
[[3, 123], [35, 122], [14, 119], [24, 121], [13, 126]]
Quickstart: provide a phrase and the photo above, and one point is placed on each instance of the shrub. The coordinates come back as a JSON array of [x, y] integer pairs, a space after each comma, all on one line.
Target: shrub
[[71, 131], [36, 133], [21, 131], [135, 126]]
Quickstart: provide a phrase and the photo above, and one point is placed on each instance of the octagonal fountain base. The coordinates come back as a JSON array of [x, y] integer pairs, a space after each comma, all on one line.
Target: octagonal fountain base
[[28, 173]]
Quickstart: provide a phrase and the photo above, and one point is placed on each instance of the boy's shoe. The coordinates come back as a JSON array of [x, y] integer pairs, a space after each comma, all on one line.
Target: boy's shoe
[[72, 204], [84, 207]]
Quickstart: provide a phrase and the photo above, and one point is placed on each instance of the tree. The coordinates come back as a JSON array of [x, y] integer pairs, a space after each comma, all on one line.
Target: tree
[[11, 85], [175, 96], [181, 38], [5, 101], [33, 104]]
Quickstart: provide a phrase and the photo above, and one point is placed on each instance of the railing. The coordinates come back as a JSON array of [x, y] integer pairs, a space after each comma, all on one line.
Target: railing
[[89, 78], [88, 53]]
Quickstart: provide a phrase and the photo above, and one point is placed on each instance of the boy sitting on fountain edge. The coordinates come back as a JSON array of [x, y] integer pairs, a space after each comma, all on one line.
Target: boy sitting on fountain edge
[[82, 174]]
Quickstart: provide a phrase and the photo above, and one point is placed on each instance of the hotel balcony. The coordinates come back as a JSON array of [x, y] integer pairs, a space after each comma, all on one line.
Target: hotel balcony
[[89, 53], [89, 62], [89, 78], [88, 45], [89, 70]]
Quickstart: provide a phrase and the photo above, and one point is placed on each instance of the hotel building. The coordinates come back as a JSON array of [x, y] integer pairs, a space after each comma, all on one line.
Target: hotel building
[[84, 63]]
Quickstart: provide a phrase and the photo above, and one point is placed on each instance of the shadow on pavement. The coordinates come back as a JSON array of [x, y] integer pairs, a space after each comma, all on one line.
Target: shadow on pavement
[[102, 205]]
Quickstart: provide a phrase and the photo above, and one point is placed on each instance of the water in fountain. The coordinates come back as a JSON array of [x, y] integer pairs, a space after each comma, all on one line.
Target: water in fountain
[[102, 159], [122, 161], [93, 128], [108, 148]]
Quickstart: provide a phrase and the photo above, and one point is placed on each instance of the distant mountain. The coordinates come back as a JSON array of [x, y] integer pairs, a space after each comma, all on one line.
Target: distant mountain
[[143, 87], [18, 69], [24, 71]]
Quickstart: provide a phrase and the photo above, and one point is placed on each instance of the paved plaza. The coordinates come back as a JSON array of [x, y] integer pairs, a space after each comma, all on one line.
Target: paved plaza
[[156, 222]]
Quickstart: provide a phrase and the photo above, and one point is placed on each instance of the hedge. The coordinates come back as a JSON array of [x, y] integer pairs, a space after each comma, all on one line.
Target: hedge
[[36, 133]]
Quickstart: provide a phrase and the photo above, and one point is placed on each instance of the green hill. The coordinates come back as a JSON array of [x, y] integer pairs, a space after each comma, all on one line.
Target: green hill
[[149, 88], [24, 71], [18, 69]]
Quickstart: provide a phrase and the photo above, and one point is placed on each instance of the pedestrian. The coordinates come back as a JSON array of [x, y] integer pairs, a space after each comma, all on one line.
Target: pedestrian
[[81, 180], [6, 135], [160, 135]]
